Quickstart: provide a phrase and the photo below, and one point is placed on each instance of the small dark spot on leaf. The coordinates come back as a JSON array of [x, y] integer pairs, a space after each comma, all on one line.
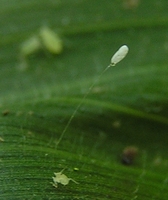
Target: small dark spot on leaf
[[128, 155], [5, 112]]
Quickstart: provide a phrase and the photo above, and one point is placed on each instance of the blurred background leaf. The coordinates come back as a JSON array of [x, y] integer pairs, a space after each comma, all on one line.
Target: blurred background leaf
[[127, 106]]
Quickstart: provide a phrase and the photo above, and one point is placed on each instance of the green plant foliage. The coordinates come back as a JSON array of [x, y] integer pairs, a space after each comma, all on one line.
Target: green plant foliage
[[128, 105]]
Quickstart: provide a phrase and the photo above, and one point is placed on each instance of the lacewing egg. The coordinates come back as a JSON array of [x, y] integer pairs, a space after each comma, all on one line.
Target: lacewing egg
[[30, 46], [119, 55], [51, 41]]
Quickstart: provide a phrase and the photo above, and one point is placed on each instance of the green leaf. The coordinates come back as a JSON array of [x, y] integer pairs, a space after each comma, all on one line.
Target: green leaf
[[51, 116]]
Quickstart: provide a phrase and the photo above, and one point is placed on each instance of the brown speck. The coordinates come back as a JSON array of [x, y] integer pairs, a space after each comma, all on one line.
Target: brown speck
[[5, 112], [158, 161], [116, 124], [98, 90], [131, 4], [30, 134], [30, 112], [128, 155]]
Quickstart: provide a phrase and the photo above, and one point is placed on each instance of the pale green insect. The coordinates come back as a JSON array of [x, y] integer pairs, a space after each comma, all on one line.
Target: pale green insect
[[62, 179], [51, 41], [30, 46]]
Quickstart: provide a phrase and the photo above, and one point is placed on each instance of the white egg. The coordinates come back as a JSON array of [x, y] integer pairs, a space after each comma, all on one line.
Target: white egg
[[119, 55]]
